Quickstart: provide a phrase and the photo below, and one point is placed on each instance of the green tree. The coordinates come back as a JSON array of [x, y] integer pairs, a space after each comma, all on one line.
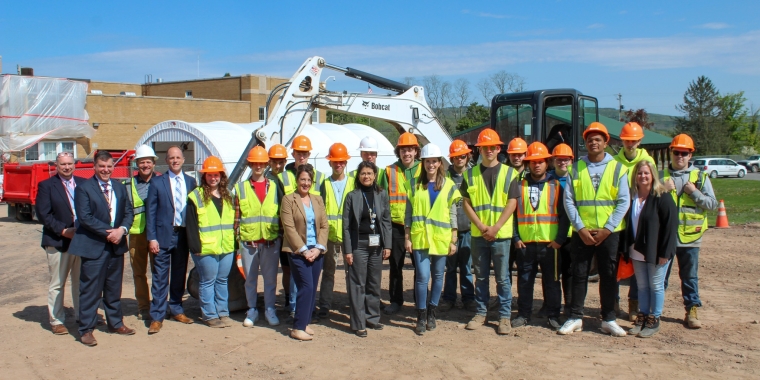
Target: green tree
[[702, 120], [740, 122], [474, 116]]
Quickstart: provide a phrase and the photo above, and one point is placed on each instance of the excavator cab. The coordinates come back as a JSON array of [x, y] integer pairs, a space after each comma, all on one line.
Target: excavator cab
[[550, 116]]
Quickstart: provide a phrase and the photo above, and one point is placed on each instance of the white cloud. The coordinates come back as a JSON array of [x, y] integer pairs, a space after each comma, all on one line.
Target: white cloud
[[715, 25]]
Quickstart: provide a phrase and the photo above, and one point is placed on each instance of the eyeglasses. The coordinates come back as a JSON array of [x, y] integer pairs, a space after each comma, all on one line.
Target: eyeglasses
[[563, 159], [65, 154], [680, 153], [462, 157]]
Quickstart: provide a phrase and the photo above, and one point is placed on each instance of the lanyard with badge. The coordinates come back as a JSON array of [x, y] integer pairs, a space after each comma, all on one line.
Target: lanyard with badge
[[374, 239]]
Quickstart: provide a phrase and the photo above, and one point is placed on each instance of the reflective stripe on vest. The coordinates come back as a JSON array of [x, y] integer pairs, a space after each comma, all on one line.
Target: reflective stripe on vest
[[398, 188], [217, 232], [489, 208], [431, 226], [138, 208], [541, 224], [596, 206], [692, 220], [258, 220], [334, 209]]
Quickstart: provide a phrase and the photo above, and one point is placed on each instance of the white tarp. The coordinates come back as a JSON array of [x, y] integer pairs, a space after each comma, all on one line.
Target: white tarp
[[36, 108]]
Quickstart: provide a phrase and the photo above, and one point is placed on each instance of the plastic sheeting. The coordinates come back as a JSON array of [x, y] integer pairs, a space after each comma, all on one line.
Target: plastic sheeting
[[36, 108]]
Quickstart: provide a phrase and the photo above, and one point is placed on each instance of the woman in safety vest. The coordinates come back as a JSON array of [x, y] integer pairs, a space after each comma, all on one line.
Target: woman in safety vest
[[211, 239], [431, 232]]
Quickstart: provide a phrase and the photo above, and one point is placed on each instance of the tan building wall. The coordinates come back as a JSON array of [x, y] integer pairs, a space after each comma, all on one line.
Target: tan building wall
[[114, 88]]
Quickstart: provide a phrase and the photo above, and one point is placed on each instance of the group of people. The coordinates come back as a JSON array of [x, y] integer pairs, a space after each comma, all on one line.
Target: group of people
[[457, 224]]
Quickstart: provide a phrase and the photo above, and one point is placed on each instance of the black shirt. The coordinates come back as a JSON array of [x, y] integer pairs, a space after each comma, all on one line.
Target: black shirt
[[365, 221]]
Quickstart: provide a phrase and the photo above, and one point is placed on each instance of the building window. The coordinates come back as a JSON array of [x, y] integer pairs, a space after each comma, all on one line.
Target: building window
[[262, 113], [188, 94], [48, 150], [315, 117]]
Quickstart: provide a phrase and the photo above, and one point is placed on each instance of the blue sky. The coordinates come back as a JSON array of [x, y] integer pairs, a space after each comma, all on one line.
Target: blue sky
[[647, 50]]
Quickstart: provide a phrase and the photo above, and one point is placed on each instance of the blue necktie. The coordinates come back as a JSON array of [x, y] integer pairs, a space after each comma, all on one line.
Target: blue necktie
[[177, 202]]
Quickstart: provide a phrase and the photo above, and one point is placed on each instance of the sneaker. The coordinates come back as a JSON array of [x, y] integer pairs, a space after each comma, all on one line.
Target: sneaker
[[638, 324], [251, 318], [571, 325], [476, 322], [612, 328], [691, 318], [505, 327], [445, 305], [393, 308], [651, 327], [247, 322], [520, 321], [471, 306], [554, 324], [271, 317]]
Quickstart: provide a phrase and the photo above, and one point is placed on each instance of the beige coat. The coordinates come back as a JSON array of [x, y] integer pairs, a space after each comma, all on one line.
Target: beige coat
[[293, 219]]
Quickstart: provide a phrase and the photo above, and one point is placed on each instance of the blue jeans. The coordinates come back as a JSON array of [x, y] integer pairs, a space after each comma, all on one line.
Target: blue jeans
[[688, 263], [483, 253], [213, 271], [651, 283], [461, 260], [428, 266]]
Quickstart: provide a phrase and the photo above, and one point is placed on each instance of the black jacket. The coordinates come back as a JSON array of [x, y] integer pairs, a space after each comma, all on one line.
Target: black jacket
[[657, 229], [54, 211]]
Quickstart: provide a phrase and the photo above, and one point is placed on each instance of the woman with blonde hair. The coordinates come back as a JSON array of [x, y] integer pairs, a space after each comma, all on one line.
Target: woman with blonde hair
[[651, 241]]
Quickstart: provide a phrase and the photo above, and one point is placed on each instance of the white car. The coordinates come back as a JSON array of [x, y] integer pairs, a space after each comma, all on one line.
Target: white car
[[720, 167]]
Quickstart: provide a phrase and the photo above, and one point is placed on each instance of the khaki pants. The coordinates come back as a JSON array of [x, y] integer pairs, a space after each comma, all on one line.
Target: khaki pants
[[60, 264], [138, 257], [334, 251]]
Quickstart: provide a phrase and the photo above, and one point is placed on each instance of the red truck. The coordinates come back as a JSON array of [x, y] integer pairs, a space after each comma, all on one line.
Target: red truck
[[21, 179]]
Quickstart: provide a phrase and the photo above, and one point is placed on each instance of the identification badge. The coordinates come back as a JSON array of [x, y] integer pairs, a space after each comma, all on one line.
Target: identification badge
[[374, 240]]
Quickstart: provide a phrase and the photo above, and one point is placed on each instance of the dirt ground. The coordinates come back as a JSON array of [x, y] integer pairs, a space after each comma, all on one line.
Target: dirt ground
[[727, 347]]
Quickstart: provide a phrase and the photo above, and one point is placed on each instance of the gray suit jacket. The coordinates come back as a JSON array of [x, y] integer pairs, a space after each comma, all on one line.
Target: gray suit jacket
[[352, 209]]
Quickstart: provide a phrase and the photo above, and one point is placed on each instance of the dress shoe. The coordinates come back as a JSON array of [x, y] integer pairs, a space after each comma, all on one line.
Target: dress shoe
[[308, 330], [372, 326], [88, 339], [300, 335], [123, 330], [361, 333], [59, 329], [155, 327], [182, 318]]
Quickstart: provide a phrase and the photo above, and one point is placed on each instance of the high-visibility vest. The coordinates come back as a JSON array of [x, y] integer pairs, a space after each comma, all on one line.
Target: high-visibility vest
[[431, 225], [217, 232], [489, 208], [596, 206], [258, 220], [398, 188], [641, 155], [541, 224], [692, 220], [334, 209], [290, 184], [138, 207]]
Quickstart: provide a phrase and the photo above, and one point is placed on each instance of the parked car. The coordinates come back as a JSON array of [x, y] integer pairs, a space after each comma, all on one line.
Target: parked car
[[720, 167], [752, 163]]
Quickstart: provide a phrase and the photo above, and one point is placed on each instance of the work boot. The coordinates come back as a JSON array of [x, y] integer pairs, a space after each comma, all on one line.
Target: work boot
[[633, 310], [691, 318], [421, 321], [505, 326], [431, 325], [476, 322], [638, 324], [445, 305], [650, 328]]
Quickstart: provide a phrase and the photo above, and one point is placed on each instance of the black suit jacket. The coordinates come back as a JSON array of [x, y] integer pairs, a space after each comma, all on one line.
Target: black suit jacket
[[54, 211], [657, 229], [352, 214], [93, 215]]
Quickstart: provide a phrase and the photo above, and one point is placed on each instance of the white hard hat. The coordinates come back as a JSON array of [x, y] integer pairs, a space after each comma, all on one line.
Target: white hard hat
[[144, 151], [431, 151], [368, 144]]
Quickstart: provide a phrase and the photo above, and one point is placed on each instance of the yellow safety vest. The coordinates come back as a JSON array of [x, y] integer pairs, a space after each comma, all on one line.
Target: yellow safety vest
[[541, 224], [431, 226], [489, 208], [258, 220], [289, 182], [398, 188], [692, 220], [596, 206], [138, 208], [641, 155], [334, 209], [217, 232]]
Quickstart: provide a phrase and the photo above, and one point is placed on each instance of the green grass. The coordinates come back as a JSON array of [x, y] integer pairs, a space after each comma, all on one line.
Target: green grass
[[742, 200]]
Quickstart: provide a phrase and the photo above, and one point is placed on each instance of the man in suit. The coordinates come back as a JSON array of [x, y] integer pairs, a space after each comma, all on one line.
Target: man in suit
[[167, 239], [55, 208], [104, 216]]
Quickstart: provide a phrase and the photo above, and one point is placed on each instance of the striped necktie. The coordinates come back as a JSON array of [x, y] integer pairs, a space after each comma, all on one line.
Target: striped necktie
[[177, 202]]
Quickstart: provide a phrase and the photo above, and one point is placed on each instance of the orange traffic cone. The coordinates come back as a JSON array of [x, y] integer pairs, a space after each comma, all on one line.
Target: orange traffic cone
[[722, 221]]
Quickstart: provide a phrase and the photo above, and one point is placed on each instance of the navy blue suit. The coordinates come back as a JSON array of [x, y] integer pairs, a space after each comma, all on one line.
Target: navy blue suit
[[54, 211], [170, 267], [102, 261]]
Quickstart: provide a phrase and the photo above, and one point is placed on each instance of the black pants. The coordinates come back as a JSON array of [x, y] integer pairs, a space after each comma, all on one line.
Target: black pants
[[528, 260], [363, 279], [100, 280], [567, 274], [396, 275], [606, 259]]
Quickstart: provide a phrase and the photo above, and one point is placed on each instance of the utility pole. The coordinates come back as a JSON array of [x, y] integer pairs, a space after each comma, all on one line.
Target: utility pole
[[620, 106]]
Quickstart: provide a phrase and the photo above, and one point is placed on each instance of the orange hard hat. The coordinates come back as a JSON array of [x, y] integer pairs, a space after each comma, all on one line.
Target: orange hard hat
[[338, 152], [278, 151], [682, 141], [458, 148], [596, 127], [563, 150], [301, 143], [488, 137], [258, 154], [212, 165], [537, 151], [632, 131], [407, 139], [517, 145]]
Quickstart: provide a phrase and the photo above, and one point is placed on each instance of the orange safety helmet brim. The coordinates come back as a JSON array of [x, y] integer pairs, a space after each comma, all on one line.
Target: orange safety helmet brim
[[597, 127], [278, 151], [301, 143], [212, 165], [488, 137], [458, 148], [258, 154], [537, 151], [338, 152], [563, 150], [517, 146], [408, 139], [682, 141]]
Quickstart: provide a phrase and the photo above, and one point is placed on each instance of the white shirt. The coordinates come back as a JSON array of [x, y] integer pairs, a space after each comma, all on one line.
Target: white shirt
[[183, 192], [111, 200], [636, 207]]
